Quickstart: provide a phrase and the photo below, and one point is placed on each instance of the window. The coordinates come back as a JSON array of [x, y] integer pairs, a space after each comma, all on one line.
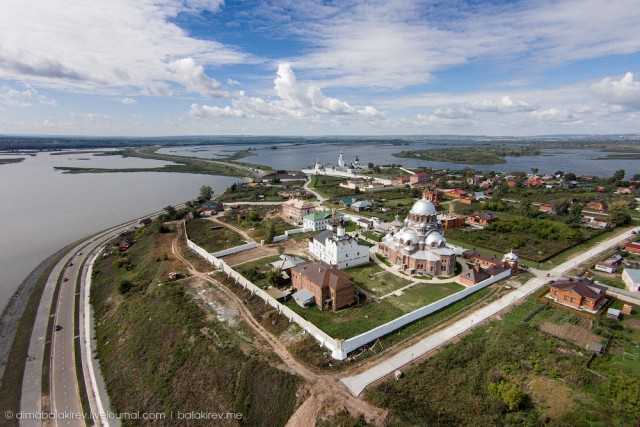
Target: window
[[573, 300], [555, 292], [566, 298]]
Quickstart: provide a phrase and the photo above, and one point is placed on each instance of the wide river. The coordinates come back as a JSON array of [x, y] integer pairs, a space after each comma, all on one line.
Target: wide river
[[295, 156], [43, 209]]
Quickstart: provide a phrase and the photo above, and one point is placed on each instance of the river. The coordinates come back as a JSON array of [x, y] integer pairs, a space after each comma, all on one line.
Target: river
[[43, 209], [296, 156]]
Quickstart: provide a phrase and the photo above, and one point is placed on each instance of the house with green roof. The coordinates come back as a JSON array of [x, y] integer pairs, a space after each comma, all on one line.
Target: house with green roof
[[317, 221]]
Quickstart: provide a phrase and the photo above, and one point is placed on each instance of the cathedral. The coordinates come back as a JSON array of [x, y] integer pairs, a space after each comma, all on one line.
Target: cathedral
[[419, 247]]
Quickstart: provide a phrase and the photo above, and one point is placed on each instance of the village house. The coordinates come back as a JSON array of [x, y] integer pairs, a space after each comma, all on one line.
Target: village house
[[482, 219], [633, 248], [364, 224], [402, 180], [578, 293], [144, 223], [546, 208], [450, 221], [592, 222], [598, 205], [345, 202], [297, 209], [329, 287], [386, 180], [456, 193], [362, 205], [475, 180], [434, 196], [284, 176], [419, 178], [211, 208], [631, 278]]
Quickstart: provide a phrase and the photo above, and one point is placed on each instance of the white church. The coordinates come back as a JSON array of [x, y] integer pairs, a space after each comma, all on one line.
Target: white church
[[338, 248], [351, 170]]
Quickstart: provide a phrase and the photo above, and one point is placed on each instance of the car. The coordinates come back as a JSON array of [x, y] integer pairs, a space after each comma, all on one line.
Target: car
[[65, 280], [57, 328], [634, 232], [70, 264]]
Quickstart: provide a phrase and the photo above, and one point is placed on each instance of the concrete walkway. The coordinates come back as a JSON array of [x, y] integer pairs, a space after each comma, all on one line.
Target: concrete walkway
[[358, 383]]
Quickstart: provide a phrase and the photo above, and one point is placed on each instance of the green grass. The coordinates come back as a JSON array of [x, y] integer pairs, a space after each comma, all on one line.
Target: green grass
[[371, 235], [160, 352], [423, 294], [469, 155], [384, 259], [200, 233], [10, 160], [348, 322], [452, 387], [375, 279]]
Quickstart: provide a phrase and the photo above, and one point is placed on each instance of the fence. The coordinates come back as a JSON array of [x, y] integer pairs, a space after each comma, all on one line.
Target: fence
[[366, 337], [234, 250], [339, 348], [287, 233]]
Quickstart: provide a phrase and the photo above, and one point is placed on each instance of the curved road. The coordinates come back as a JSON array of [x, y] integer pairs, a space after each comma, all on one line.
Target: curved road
[[64, 395]]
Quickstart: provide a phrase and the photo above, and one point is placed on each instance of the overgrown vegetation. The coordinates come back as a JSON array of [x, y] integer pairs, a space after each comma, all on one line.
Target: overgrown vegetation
[[484, 155], [159, 352], [212, 236], [509, 373]]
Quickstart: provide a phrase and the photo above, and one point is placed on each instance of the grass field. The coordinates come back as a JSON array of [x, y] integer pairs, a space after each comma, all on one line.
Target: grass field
[[375, 279], [160, 352], [201, 234], [348, 322], [423, 294], [508, 373]]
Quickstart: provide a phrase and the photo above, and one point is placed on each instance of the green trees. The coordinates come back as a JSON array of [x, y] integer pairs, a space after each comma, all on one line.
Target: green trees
[[509, 393], [206, 192], [271, 233]]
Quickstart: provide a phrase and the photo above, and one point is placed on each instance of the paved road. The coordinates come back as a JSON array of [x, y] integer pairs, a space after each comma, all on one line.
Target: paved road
[[358, 383], [63, 393]]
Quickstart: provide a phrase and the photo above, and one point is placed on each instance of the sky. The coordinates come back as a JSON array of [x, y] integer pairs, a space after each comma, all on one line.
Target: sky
[[303, 67]]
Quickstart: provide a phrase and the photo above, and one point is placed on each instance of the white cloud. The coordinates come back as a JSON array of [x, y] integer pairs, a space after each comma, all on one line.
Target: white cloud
[[128, 101], [624, 92], [505, 104], [108, 46], [294, 100], [381, 44], [23, 98], [192, 76]]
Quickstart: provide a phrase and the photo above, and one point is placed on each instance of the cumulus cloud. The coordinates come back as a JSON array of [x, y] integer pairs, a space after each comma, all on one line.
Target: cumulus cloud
[[127, 101], [295, 99], [505, 104], [109, 46], [23, 98], [194, 79], [624, 92]]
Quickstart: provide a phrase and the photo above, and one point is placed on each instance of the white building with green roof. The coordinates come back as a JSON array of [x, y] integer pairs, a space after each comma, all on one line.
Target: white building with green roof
[[317, 221]]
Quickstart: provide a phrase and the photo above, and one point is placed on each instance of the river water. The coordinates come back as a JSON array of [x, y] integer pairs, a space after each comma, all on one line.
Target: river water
[[42, 210], [296, 156]]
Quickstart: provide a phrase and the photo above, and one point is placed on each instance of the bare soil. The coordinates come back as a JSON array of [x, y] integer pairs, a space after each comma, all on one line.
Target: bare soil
[[579, 335]]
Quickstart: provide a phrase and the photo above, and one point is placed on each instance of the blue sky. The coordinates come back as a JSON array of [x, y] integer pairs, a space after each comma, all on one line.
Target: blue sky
[[214, 67]]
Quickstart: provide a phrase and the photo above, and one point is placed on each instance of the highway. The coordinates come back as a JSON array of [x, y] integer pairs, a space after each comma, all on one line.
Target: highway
[[63, 395], [357, 383]]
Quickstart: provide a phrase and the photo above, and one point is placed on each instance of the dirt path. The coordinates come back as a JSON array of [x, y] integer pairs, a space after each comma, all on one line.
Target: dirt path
[[234, 228], [325, 391]]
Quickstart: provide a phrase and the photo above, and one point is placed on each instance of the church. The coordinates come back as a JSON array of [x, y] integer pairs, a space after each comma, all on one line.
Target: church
[[419, 247], [338, 249]]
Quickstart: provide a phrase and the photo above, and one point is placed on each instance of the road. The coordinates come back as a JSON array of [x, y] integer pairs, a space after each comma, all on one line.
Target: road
[[64, 394], [358, 383]]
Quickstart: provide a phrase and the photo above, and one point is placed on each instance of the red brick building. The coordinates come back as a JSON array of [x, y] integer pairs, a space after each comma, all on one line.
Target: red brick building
[[482, 218], [332, 288], [581, 294], [475, 275]]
